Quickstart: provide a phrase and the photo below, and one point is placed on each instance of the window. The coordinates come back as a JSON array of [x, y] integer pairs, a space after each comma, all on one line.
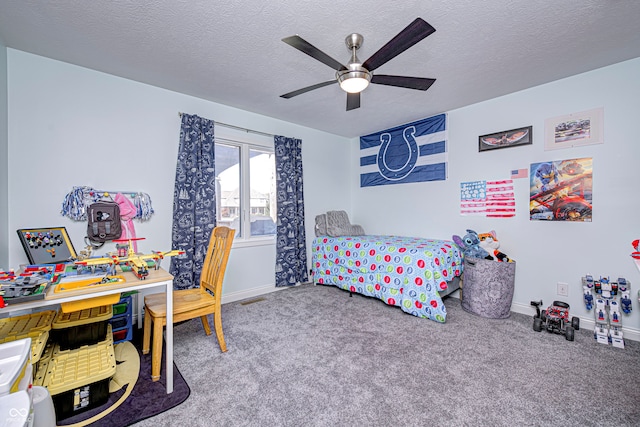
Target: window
[[245, 188]]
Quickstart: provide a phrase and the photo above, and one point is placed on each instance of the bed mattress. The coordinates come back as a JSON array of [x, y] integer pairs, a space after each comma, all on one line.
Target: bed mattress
[[409, 272]]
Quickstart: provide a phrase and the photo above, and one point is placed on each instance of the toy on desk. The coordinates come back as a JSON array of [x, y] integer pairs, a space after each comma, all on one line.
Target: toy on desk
[[7, 275], [105, 264], [138, 263], [27, 286]]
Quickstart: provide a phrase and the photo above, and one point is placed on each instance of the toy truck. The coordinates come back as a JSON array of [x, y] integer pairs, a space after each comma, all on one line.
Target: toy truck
[[555, 319]]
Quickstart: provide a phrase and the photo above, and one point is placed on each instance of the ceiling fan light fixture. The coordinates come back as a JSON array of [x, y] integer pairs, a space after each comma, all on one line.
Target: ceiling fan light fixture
[[354, 81]]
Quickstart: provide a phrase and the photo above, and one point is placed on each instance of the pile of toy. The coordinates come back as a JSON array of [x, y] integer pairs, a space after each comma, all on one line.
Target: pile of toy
[[484, 246], [602, 295]]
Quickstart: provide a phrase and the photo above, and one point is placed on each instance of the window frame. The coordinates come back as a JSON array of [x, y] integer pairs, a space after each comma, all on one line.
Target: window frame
[[245, 142]]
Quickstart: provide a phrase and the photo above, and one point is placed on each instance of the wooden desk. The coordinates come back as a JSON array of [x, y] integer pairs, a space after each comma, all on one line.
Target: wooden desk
[[156, 278]]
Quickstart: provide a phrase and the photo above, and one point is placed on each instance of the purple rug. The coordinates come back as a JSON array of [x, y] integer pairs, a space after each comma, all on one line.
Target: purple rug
[[147, 399]]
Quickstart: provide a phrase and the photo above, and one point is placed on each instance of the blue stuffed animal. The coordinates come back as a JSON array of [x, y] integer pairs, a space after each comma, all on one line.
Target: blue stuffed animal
[[470, 245]]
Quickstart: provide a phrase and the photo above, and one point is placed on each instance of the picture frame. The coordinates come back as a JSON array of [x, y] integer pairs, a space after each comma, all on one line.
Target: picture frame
[[574, 130], [507, 138], [48, 245]]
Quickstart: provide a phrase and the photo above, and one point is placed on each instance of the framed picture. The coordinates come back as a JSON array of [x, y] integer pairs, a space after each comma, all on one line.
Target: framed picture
[[507, 138], [47, 245], [574, 130]]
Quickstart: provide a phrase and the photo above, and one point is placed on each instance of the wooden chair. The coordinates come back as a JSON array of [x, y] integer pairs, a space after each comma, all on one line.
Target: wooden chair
[[191, 303]]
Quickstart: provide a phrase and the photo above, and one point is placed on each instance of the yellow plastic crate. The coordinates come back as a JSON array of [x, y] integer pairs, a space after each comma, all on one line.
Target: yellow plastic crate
[[44, 357], [92, 283], [82, 317], [69, 369], [83, 327], [35, 326]]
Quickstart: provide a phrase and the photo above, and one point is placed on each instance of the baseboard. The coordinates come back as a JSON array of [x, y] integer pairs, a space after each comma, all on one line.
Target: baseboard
[[250, 293], [632, 334]]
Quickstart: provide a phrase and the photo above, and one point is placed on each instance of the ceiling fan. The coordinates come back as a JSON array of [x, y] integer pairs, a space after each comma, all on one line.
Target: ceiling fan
[[356, 75]]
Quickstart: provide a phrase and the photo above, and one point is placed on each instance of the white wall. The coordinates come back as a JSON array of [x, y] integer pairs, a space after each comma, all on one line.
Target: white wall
[[71, 126], [546, 252], [4, 159]]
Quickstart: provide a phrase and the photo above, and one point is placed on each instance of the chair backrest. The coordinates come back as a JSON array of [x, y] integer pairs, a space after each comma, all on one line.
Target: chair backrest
[[215, 262]]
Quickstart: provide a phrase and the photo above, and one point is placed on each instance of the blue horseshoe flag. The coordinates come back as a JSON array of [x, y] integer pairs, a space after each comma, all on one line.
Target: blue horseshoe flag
[[414, 152]]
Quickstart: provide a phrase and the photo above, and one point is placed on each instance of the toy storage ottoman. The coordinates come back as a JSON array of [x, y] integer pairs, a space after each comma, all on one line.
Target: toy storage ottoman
[[487, 288]]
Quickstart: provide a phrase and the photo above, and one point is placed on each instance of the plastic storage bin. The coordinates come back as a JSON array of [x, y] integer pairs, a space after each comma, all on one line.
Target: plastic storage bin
[[488, 286], [35, 326], [78, 328], [68, 307], [121, 322], [15, 366], [78, 379]]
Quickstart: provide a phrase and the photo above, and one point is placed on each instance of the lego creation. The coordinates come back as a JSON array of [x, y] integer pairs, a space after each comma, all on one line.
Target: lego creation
[[138, 263], [47, 245]]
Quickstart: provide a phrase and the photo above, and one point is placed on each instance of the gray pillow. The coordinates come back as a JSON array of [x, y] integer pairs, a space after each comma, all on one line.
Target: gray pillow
[[321, 225], [338, 225]]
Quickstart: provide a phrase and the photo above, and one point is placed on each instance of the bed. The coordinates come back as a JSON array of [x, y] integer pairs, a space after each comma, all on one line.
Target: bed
[[409, 272]]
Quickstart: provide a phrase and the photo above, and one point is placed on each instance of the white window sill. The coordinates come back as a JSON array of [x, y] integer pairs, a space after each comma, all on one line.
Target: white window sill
[[254, 241]]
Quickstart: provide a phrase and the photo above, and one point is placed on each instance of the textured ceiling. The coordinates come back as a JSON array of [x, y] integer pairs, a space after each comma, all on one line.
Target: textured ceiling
[[231, 52]]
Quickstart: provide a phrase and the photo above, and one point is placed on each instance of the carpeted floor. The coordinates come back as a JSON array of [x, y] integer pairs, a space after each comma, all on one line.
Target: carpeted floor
[[313, 356]]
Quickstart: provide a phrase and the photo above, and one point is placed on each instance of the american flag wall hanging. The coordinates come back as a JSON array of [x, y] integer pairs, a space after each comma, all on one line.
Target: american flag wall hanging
[[492, 199], [414, 152]]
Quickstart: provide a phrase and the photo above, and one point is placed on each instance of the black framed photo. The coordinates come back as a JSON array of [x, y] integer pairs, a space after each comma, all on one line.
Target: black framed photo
[[49, 245], [507, 138]]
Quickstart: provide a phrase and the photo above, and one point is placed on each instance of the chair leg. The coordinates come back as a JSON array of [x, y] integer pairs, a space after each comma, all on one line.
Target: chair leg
[[217, 324], [205, 324], [156, 352], [146, 335]]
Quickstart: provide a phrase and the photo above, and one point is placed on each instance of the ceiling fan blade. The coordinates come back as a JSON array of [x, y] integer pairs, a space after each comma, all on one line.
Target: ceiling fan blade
[[307, 89], [305, 47], [353, 101], [412, 34], [420, 83]]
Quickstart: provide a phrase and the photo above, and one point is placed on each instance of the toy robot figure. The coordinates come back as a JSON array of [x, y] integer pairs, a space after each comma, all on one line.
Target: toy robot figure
[[601, 313], [588, 297], [626, 303], [614, 312]]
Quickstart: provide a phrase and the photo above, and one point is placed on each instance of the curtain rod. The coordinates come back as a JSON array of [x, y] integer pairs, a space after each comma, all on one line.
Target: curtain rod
[[257, 132]]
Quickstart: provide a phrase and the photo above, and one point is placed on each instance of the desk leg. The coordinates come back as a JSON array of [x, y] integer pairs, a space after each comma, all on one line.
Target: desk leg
[[169, 337], [140, 307]]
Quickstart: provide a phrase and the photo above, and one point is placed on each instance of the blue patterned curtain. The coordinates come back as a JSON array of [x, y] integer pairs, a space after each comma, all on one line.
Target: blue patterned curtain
[[194, 197], [291, 247]]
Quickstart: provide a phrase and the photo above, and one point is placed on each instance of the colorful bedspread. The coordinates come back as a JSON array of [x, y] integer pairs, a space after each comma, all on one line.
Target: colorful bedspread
[[403, 271]]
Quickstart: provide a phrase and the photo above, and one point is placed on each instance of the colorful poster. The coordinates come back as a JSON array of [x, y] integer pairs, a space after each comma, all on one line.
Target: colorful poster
[[561, 190]]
